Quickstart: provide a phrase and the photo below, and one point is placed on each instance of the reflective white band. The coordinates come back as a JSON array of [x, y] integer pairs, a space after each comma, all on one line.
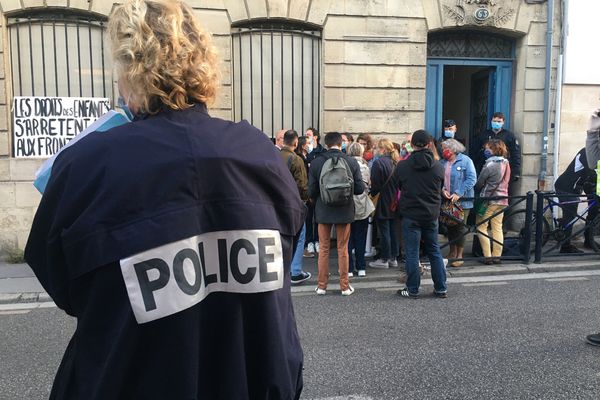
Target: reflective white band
[[171, 278]]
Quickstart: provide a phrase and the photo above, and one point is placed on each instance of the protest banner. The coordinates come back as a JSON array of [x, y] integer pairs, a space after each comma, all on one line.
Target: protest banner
[[43, 125]]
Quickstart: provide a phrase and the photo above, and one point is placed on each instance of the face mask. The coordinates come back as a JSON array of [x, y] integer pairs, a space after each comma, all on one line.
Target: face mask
[[487, 153], [403, 153], [447, 154], [310, 148], [344, 146], [121, 103], [449, 134], [497, 125], [409, 148]]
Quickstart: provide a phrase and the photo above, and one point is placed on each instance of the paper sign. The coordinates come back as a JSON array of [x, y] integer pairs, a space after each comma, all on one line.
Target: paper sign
[[43, 125]]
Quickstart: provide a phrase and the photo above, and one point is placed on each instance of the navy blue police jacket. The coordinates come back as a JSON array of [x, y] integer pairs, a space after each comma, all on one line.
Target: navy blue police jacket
[[170, 240]]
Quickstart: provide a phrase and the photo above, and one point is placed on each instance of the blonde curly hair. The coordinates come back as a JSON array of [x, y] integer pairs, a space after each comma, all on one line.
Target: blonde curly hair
[[163, 55]]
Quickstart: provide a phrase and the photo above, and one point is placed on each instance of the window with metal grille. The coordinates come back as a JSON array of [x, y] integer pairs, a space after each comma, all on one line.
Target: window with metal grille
[[276, 75], [59, 54]]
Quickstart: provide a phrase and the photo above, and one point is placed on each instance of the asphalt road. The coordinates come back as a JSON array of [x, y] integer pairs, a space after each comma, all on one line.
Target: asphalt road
[[520, 339]]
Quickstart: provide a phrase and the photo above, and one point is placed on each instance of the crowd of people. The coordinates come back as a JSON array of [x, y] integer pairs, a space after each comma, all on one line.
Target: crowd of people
[[397, 195]]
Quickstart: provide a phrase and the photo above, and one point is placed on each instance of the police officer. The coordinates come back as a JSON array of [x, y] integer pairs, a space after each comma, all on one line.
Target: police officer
[[497, 131], [592, 149], [166, 239]]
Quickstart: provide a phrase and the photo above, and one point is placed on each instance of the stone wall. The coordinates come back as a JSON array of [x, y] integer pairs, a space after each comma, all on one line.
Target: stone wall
[[578, 102], [373, 73]]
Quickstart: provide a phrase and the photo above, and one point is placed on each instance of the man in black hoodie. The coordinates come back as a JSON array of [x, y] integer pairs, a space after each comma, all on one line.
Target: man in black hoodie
[[421, 179]]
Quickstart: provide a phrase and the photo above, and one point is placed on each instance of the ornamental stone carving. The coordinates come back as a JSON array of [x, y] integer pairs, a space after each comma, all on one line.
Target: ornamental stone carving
[[494, 13]]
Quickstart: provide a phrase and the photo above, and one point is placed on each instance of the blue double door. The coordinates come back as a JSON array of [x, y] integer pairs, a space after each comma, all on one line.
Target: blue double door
[[468, 91]]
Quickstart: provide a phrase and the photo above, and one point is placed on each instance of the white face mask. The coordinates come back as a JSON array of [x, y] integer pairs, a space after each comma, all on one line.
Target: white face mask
[[310, 147]]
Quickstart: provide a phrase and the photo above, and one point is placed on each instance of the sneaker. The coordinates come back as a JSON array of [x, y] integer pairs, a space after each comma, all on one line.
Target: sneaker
[[393, 263], [348, 291], [316, 247], [496, 260], [301, 277], [320, 291], [350, 274], [570, 249], [311, 248], [362, 272], [440, 295], [308, 254], [594, 340], [370, 253], [406, 294], [381, 263]]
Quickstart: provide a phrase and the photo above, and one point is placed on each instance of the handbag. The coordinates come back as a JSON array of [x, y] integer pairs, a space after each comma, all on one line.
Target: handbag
[[363, 206], [451, 214], [481, 205]]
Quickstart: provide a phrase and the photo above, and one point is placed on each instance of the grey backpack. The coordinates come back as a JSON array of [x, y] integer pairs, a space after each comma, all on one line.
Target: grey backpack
[[336, 182]]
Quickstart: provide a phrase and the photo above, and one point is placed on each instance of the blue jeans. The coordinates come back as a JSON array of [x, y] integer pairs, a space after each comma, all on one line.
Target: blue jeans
[[413, 232], [390, 248], [296, 268], [358, 242]]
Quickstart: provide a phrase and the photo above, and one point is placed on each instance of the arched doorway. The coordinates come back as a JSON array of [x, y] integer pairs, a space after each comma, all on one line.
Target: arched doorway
[[469, 76]]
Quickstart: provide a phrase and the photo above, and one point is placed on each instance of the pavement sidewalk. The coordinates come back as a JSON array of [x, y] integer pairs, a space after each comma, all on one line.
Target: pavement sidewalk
[[18, 283]]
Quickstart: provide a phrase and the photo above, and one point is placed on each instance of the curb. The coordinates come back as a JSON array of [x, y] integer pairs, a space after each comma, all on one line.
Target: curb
[[29, 297], [390, 275], [473, 270]]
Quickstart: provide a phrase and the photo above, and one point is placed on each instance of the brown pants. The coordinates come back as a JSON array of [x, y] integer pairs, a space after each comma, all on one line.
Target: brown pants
[[343, 235]]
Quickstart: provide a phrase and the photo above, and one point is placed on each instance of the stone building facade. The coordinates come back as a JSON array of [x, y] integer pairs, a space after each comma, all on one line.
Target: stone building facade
[[372, 68]]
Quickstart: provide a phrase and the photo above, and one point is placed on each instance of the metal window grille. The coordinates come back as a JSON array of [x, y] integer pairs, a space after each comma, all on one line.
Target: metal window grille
[[469, 44], [277, 76], [59, 55]]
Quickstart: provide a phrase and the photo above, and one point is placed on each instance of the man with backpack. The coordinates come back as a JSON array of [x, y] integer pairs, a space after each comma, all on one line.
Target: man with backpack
[[296, 166], [333, 180]]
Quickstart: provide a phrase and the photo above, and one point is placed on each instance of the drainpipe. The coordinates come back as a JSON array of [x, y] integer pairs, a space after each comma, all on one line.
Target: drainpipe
[[559, 78], [544, 158]]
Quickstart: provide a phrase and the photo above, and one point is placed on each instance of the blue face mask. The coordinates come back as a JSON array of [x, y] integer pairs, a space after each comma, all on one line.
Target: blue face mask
[[344, 146], [403, 153], [497, 125], [487, 153], [449, 134], [121, 103]]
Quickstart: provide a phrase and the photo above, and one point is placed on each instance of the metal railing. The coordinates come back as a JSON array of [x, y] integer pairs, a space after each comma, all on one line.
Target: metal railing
[[552, 232], [513, 210], [537, 227]]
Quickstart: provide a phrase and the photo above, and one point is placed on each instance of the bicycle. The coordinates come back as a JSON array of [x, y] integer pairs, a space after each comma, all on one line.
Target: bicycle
[[552, 226]]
